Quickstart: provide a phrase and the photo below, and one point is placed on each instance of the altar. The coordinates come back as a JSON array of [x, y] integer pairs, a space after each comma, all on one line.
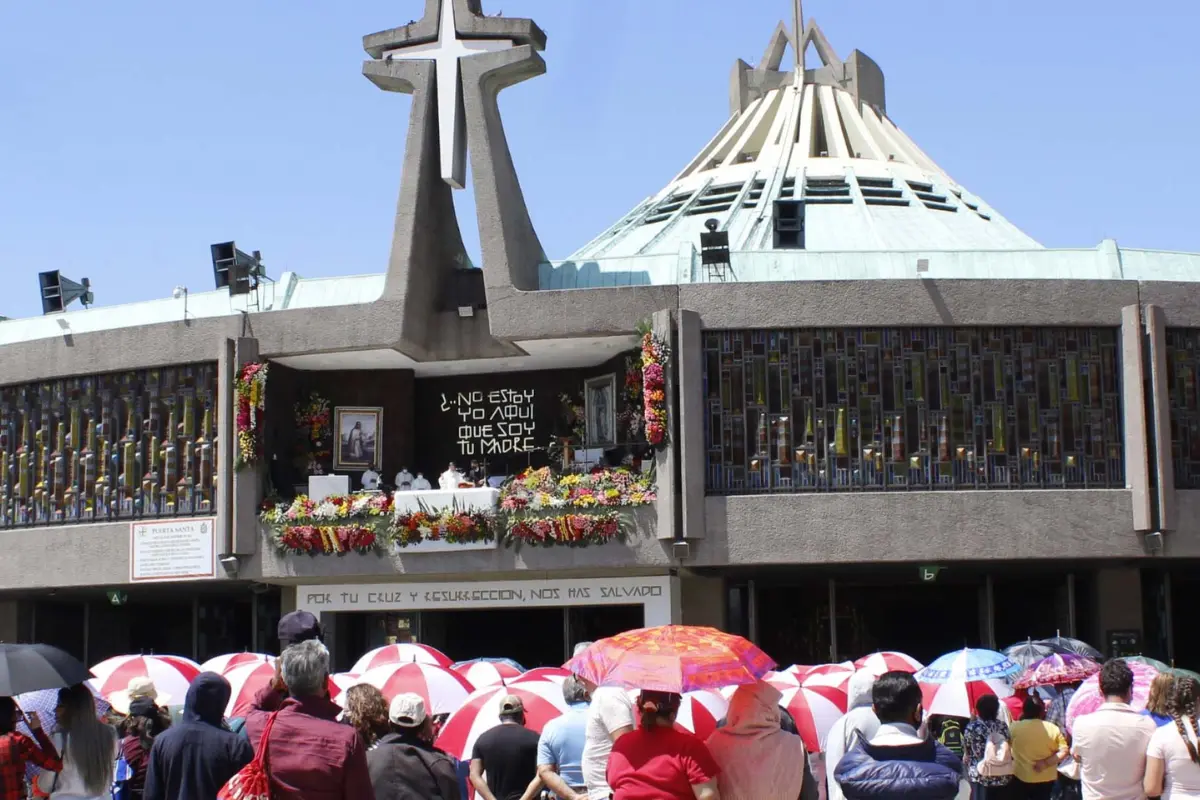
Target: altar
[[433, 500]]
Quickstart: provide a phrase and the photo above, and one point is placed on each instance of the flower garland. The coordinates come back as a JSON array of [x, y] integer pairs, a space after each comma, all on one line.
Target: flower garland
[[576, 510], [573, 530], [442, 525], [250, 387], [335, 525], [656, 355]]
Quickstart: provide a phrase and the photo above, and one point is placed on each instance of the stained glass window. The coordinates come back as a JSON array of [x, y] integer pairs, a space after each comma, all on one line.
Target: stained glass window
[[912, 408], [1183, 362], [107, 447]]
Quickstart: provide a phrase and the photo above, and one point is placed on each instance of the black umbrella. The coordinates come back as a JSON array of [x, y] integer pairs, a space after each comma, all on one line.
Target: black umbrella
[[1028, 652], [1065, 644], [30, 667]]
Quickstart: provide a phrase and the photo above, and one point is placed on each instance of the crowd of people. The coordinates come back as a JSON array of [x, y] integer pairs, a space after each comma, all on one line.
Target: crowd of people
[[604, 747]]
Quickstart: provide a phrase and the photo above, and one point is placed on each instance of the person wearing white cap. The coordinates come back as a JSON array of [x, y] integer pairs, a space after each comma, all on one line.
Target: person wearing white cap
[[404, 764], [139, 688]]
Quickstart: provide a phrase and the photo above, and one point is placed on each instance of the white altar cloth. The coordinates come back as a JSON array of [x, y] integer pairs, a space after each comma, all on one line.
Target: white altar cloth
[[435, 500]]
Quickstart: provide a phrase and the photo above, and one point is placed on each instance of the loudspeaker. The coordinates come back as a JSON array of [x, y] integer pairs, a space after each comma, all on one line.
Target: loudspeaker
[[59, 292], [233, 269], [788, 222]]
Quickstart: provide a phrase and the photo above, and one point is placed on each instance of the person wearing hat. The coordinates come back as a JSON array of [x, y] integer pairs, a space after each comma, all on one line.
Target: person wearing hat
[[139, 688], [294, 627], [144, 721], [508, 754], [404, 765]]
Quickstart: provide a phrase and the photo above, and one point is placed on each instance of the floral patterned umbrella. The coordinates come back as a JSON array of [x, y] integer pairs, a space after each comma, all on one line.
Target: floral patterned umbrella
[[1057, 669], [1088, 697], [672, 658]]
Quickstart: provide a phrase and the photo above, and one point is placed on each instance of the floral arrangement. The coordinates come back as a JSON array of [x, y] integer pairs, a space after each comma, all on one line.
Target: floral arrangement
[[573, 530], [541, 489], [576, 415], [335, 525], [655, 357], [574, 509], [250, 388], [313, 426], [631, 416], [442, 525]]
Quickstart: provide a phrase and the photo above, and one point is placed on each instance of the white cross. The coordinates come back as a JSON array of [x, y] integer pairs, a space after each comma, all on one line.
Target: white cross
[[445, 53]]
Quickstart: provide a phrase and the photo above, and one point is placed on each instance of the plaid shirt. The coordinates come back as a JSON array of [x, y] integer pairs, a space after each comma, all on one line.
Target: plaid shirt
[[17, 749]]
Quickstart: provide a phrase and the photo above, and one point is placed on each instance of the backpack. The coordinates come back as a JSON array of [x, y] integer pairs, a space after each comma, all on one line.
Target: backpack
[[252, 782], [952, 737]]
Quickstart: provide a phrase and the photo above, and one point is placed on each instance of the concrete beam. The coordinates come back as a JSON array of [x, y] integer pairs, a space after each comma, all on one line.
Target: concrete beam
[[692, 407], [1160, 406], [1133, 407], [666, 459]]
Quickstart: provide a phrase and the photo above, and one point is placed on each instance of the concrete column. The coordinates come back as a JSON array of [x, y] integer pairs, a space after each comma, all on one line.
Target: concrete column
[[702, 600], [226, 442], [666, 459], [690, 358], [247, 483], [10, 628], [1118, 603], [1160, 409], [1137, 457]]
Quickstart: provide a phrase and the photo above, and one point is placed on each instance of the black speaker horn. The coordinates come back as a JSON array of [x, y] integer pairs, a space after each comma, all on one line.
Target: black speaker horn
[[59, 292], [235, 270]]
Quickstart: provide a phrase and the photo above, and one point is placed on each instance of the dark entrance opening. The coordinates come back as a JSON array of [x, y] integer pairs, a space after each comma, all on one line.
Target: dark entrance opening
[[589, 623], [530, 636], [924, 620], [1030, 604]]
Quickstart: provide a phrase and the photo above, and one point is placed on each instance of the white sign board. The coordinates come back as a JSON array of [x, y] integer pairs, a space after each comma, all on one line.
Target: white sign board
[[172, 549], [654, 594]]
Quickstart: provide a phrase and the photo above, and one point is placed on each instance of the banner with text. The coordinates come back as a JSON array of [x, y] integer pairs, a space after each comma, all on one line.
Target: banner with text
[[653, 593]]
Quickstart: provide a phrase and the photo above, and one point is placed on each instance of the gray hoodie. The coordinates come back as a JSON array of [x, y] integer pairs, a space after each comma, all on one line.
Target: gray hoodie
[[859, 719]]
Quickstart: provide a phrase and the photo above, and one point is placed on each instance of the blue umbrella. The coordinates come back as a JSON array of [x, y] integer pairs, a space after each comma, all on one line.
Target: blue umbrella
[[507, 661], [969, 664]]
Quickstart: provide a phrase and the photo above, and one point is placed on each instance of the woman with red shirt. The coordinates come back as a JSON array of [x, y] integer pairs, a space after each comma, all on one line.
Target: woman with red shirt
[[657, 762]]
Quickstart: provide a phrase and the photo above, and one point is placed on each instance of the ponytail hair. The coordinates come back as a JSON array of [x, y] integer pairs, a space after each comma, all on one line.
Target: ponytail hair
[[1184, 697], [657, 709]]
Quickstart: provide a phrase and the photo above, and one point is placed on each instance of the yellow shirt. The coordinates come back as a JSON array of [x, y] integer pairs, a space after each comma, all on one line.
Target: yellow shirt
[[1034, 740]]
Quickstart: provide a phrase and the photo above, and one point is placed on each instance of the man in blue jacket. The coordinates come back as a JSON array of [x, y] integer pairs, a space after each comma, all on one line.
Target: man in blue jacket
[[898, 763], [195, 758]]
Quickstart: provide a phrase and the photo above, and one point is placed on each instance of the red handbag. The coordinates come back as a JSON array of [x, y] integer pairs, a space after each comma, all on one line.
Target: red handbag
[[252, 781]]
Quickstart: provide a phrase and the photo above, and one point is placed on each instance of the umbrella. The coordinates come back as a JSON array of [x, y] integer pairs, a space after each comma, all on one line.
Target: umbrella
[[1146, 661], [171, 674], [968, 664], [671, 658], [1179, 672], [247, 680], [403, 653], [29, 667], [815, 710], [443, 690], [699, 711], [343, 681], [957, 698], [1057, 669], [505, 661], [1029, 651], [802, 670], [1066, 644], [556, 674], [222, 664], [480, 712], [1089, 698], [879, 663], [486, 673], [43, 702]]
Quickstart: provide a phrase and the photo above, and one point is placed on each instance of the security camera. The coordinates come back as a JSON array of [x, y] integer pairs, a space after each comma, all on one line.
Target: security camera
[[230, 564]]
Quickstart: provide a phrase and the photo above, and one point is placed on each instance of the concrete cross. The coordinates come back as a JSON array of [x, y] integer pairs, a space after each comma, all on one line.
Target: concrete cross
[[445, 53]]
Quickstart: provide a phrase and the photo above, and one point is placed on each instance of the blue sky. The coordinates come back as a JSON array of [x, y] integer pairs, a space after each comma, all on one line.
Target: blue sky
[[135, 133]]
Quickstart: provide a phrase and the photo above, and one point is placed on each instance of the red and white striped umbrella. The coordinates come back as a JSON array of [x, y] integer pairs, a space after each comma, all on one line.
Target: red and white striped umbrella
[[403, 653], [487, 673], [556, 674], [343, 681], [956, 698], [780, 680], [481, 712], [889, 661], [444, 690], [222, 664], [247, 680], [171, 675], [814, 709]]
